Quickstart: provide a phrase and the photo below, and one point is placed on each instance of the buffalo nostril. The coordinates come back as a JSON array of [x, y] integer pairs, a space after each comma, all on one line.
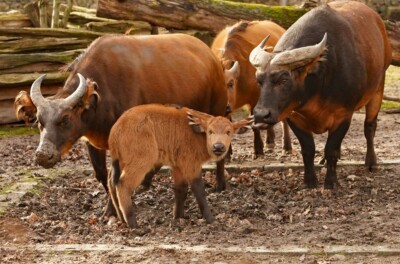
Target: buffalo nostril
[[262, 116], [218, 148]]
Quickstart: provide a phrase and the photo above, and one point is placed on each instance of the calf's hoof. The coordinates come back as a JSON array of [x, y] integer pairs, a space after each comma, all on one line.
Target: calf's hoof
[[109, 210]]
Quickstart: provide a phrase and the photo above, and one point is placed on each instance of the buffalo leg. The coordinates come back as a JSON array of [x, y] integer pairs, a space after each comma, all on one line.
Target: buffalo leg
[[308, 152], [286, 141], [197, 187], [370, 124], [258, 143], [220, 175], [98, 159], [180, 191], [146, 183], [270, 138], [332, 152]]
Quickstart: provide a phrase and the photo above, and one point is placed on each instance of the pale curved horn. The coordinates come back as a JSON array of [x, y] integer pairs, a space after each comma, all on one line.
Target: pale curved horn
[[235, 68], [300, 56], [259, 58], [76, 96], [36, 94]]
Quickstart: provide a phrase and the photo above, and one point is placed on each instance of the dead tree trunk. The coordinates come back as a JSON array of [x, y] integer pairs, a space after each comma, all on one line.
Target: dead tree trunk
[[196, 14], [393, 31]]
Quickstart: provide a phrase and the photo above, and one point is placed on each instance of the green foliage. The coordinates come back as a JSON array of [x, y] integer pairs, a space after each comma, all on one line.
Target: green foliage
[[17, 131], [388, 105]]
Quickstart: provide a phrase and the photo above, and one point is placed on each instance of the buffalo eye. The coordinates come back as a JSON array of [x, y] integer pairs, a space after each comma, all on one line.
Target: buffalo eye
[[228, 132], [210, 132], [65, 122], [230, 84], [282, 82]]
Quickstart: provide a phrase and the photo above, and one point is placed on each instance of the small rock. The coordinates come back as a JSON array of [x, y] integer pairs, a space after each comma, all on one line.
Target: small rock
[[255, 172], [302, 257], [325, 227], [369, 179], [322, 210], [374, 192], [31, 218], [353, 178], [338, 257], [112, 221]]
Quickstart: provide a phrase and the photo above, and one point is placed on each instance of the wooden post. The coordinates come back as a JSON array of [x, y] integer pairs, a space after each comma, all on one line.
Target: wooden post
[[43, 13], [67, 12], [55, 17]]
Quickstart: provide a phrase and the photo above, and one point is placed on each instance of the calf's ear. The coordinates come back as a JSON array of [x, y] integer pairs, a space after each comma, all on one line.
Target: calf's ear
[[24, 108], [198, 121], [243, 126]]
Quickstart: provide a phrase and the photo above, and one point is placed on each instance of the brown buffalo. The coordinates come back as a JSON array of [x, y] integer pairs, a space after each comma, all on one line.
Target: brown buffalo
[[163, 137], [327, 65], [121, 72], [233, 46]]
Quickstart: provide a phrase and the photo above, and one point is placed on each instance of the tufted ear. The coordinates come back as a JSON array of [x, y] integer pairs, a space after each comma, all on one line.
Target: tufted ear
[[198, 120], [243, 125], [91, 97], [24, 107]]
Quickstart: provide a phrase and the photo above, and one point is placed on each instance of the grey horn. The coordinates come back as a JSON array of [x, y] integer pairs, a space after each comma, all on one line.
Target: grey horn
[[76, 96], [300, 56], [259, 58], [36, 94], [235, 68]]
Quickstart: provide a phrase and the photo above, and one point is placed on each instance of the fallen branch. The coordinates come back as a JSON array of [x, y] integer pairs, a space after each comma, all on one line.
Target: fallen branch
[[389, 98]]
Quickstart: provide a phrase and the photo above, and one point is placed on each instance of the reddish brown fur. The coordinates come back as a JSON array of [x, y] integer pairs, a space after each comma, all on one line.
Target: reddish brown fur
[[150, 135], [235, 44]]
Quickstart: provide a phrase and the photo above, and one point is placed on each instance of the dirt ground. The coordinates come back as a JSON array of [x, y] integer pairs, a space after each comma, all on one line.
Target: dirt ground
[[259, 208]]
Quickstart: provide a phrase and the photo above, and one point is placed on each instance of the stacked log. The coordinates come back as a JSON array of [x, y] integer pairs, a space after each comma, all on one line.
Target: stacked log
[[27, 52]]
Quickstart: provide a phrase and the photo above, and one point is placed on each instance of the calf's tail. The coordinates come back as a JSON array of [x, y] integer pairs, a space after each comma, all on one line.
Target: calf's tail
[[115, 171]]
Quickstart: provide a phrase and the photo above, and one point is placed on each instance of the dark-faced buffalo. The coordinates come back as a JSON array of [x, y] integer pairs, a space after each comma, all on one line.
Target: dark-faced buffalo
[[123, 72], [233, 46], [327, 65]]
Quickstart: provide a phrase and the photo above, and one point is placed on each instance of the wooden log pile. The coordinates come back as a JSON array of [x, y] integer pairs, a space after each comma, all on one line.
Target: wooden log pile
[[27, 52]]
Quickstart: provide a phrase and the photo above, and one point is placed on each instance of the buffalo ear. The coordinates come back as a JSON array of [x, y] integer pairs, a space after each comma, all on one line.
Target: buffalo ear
[[243, 125], [91, 98], [198, 120], [24, 108]]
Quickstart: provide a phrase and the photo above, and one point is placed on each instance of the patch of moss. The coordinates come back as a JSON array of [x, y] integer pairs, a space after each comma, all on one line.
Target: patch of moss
[[17, 131], [282, 15], [389, 105]]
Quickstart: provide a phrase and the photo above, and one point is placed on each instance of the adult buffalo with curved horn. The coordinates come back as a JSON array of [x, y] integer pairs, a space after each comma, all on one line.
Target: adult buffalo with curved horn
[[233, 46], [122, 72], [327, 65]]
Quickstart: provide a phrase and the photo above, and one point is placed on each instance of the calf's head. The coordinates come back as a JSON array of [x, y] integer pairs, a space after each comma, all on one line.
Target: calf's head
[[219, 131], [61, 121], [281, 77]]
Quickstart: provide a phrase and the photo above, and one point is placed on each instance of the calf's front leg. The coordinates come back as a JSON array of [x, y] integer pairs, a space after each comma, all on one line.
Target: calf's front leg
[[197, 187]]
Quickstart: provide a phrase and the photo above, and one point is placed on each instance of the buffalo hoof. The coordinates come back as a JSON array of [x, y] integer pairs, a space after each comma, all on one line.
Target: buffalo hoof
[[210, 219], [220, 187], [311, 184], [331, 185]]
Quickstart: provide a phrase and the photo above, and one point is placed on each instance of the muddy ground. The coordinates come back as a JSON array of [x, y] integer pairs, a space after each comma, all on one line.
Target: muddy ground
[[259, 208]]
